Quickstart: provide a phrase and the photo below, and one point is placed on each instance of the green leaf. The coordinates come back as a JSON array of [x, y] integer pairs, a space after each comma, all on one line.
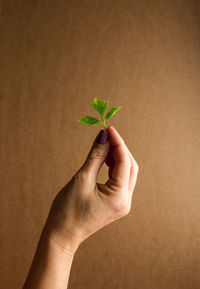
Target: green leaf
[[89, 120], [112, 111], [105, 106], [100, 105]]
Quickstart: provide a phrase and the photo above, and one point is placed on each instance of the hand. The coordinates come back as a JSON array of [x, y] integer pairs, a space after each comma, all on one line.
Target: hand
[[84, 206]]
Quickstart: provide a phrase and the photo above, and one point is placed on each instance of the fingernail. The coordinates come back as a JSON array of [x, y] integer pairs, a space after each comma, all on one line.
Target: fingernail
[[102, 137], [110, 126]]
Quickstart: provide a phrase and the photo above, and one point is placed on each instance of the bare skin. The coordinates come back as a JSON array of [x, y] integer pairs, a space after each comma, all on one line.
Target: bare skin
[[81, 208]]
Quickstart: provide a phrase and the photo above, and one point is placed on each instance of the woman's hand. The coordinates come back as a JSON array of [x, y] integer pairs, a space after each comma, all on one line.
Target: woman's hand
[[84, 206]]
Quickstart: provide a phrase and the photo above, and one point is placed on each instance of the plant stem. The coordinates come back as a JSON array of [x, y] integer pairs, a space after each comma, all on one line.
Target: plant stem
[[103, 121], [104, 124]]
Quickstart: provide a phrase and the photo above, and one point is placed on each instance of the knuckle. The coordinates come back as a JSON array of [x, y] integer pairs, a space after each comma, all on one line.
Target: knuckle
[[126, 211], [134, 161], [81, 176], [122, 206], [136, 166], [96, 154], [130, 163]]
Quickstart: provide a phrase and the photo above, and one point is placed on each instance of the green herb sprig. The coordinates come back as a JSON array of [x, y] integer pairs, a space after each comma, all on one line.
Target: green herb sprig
[[99, 105]]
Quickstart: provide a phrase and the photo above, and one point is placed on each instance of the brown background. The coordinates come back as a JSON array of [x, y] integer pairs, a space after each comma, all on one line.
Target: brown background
[[144, 55]]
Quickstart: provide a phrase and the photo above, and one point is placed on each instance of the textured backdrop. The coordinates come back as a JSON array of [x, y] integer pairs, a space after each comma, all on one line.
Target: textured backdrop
[[55, 56]]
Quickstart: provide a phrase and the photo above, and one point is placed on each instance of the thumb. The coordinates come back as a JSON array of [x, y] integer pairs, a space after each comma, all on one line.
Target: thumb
[[97, 154]]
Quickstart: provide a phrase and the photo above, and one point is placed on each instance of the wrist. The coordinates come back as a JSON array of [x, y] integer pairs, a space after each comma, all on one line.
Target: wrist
[[65, 244], [51, 264]]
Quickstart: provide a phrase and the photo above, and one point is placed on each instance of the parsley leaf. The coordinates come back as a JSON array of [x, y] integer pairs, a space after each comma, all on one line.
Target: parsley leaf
[[89, 120], [112, 111], [100, 106]]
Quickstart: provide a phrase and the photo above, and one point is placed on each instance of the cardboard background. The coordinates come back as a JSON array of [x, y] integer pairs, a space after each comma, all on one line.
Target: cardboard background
[[55, 56]]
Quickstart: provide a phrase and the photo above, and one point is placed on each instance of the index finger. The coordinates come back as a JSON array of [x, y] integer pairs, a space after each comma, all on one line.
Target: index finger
[[121, 169]]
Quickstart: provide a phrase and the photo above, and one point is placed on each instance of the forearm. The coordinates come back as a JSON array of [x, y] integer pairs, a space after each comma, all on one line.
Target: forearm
[[51, 266]]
